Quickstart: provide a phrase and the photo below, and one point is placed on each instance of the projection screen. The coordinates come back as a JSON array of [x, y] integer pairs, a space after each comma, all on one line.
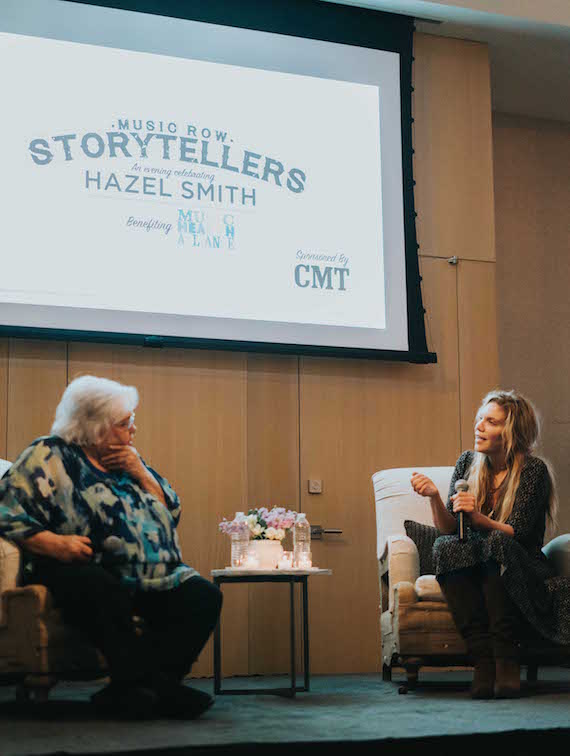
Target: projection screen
[[173, 180]]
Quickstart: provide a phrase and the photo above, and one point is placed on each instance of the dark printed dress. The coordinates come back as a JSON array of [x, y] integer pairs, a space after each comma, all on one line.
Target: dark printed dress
[[53, 486], [542, 597]]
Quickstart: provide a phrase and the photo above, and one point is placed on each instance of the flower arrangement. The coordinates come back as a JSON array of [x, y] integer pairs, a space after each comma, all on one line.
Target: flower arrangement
[[264, 524]]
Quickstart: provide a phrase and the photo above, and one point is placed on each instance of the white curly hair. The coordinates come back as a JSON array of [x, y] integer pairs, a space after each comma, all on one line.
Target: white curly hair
[[89, 407]]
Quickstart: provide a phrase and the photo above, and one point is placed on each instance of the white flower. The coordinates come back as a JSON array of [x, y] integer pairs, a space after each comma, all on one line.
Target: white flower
[[256, 530], [251, 521], [271, 533], [280, 534]]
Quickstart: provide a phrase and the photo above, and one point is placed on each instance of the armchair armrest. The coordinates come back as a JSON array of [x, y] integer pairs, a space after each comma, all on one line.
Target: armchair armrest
[[404, 593], [30, 601], [23, 632], [403, 563]]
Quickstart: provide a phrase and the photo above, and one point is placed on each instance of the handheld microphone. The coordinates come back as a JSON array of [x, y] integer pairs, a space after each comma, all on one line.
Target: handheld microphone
[[112, 545], [113, 552], [461, 485]]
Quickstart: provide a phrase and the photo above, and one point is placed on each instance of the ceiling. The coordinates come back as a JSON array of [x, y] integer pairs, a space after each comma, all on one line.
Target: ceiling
[[529, 46]]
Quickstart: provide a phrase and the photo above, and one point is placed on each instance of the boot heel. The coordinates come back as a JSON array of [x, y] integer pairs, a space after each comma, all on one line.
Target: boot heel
[[483, 683], [507, 678]]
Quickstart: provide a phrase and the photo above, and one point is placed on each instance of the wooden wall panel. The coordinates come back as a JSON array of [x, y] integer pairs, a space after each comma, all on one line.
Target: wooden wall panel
[[37, 378], [273, 480], [358, 417], [453, 148], [532, 196], [3, 396], [478, 352], [191, 427]]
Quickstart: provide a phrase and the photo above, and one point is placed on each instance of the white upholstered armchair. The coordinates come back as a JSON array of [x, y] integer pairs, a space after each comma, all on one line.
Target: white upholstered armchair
[[417, 628]]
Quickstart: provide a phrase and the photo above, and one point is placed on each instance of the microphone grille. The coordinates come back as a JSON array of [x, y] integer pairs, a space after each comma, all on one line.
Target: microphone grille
[[461, 485], [112, 544]]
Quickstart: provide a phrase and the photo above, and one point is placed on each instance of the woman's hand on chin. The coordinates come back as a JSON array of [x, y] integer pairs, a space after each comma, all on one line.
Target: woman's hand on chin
[[123, 457]]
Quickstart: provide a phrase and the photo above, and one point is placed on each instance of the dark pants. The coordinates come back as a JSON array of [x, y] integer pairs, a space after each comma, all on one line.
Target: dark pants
[[177, 622]]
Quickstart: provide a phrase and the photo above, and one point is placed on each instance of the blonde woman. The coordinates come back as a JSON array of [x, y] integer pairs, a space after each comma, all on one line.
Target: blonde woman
[[497, 582]]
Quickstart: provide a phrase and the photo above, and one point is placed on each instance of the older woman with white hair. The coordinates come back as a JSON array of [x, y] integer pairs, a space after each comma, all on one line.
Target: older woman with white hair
[[98, 528]]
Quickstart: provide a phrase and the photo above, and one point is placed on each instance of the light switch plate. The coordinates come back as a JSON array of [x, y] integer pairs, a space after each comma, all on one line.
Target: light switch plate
[[315, 486]]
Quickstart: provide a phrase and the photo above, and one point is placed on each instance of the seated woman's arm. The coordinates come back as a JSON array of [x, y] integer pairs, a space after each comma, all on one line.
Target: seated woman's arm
[[65, 548], [443, 520], [444, 517], [28, 501]]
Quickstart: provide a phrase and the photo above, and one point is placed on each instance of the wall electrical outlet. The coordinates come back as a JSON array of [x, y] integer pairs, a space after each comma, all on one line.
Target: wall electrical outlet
[[315, 486]]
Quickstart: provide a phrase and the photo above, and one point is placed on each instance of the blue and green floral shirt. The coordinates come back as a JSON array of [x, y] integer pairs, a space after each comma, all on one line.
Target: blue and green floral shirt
[[53, 486]]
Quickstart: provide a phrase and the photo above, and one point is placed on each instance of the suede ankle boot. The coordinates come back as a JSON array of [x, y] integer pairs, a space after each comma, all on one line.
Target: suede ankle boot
[[465, 598], [507, 678], [483, 685], [505, 624]]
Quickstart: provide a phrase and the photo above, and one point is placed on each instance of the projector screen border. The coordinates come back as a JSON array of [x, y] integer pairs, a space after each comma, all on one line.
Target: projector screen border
[[163, 342]]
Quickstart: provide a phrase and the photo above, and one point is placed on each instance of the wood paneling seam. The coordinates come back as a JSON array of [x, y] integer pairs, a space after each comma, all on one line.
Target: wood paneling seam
[[7, 397], [300, 493], [460, 407]]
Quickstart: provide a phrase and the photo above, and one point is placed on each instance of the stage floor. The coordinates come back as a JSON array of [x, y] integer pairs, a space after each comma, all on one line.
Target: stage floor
[[358, 709]]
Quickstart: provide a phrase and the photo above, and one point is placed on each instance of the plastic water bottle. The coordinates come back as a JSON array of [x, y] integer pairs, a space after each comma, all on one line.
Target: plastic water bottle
[[301, 541], [240, 540]]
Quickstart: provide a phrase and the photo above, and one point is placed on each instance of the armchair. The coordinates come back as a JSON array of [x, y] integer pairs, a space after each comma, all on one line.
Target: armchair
[[417, 629], [36, 647]]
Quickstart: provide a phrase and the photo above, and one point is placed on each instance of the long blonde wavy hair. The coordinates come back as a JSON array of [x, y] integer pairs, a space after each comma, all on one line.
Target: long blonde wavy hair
[[520, 437]]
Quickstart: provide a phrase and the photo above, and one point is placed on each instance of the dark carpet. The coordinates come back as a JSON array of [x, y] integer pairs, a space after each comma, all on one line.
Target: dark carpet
[[349, 714]]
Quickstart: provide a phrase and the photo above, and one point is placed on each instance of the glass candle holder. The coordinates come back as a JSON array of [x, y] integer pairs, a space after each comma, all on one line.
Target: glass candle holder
[[305, 561], [286, 561], [251, 561]]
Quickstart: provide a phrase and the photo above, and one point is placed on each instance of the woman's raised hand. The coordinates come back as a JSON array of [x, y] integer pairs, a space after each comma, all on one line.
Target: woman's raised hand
[[123, 457], [423, 485], [126, 457]]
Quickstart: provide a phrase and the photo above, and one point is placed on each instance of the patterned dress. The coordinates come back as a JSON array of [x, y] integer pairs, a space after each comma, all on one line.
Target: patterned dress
[[542, 597], [53, 486]]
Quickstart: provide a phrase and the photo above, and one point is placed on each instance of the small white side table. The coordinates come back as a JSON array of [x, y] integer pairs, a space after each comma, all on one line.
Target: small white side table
[[292, 576]]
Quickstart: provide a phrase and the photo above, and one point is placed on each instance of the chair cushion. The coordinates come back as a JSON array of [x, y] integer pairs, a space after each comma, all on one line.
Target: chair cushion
[[10, 556], [558, 553], [424, 537], [427, 589], [10, 568]]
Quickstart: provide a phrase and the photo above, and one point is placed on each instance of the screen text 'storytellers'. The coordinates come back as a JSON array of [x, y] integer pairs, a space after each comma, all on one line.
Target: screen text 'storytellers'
[[113, 144]]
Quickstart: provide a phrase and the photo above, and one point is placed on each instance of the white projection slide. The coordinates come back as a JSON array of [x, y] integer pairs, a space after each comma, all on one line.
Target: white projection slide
[[157, 184]]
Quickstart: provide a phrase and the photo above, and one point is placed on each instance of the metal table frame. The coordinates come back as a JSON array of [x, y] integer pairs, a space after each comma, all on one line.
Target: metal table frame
[[276, 577]]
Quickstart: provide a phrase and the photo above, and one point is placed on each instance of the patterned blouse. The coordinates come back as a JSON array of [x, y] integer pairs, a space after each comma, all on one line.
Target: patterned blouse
[[53, 486]]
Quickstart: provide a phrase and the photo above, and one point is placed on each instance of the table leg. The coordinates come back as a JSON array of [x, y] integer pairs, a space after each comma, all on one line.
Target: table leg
[[217, 654], [306, 661], [293, 651]]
